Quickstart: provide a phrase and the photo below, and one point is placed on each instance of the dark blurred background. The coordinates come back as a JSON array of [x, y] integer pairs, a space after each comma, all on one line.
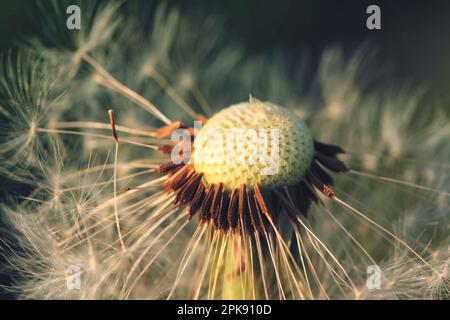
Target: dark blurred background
[[414, 39]]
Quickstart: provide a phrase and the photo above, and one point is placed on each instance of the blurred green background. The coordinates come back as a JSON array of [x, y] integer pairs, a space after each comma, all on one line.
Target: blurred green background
[[414, 42]]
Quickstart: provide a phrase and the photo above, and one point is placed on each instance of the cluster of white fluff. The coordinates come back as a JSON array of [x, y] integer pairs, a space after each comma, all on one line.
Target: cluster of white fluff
[[56, 141]]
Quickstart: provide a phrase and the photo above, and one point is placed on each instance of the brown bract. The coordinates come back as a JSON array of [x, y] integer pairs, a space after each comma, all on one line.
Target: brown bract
[[251, 209]]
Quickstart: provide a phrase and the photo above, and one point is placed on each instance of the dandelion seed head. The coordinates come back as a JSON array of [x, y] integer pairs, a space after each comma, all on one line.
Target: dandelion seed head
[[285, 242], [217, 158]]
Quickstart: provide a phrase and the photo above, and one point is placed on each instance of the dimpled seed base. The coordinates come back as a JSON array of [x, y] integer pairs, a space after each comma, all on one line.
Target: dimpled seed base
[[232, 162]]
